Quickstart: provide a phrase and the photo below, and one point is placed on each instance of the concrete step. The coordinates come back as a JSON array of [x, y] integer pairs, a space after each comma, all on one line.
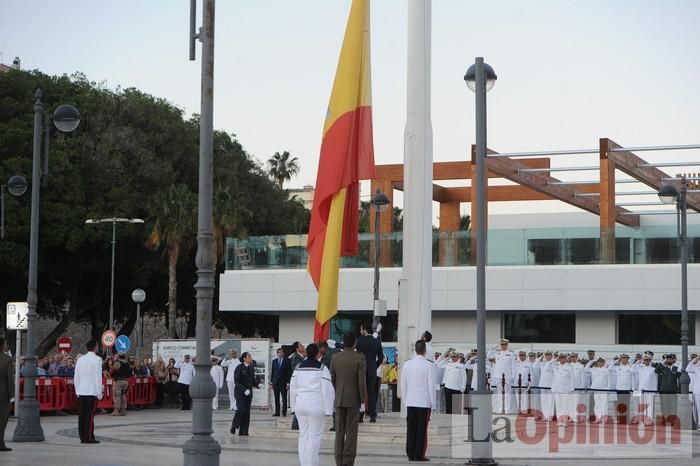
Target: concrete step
[[392, 438]]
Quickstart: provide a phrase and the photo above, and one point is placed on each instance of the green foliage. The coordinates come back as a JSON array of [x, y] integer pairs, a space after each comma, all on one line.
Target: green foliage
[[129, 151]]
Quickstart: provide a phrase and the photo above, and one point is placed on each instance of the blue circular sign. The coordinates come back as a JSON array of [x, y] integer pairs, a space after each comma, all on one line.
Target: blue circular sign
[[122, 344]]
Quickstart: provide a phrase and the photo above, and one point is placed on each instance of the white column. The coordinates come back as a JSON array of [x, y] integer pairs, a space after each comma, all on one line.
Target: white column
[[415, 312]]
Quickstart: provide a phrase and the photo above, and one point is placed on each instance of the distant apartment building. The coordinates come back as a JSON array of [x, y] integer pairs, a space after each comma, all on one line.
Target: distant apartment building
[[305, 195]]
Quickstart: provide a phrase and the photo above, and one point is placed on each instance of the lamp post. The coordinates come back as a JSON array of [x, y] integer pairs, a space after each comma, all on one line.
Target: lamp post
[[380, 202], [202, 449], [66, 118], [668, 194], [113, 221], [17, 186], [138, 296], [480, 79]]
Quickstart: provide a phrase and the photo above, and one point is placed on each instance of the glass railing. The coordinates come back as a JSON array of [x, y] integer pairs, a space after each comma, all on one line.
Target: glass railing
[[532, 246]]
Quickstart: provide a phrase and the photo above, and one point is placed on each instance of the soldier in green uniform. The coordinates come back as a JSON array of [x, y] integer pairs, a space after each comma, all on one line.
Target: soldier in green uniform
[[669, 378]]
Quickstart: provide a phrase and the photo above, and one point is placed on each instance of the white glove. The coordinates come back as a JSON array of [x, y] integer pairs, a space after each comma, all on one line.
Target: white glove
[[99, 396], [247, 392], [331, 343], [379, 327]]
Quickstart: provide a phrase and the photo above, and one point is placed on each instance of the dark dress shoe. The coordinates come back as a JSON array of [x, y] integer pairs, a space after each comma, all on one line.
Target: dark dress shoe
[[93, 441], [276, 415], [5, 449], [422, 459], [244, 435], [332, 429], [373, 420]]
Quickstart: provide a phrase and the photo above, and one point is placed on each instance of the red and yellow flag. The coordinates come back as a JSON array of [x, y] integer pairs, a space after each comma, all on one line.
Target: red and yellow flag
[[347, 156]]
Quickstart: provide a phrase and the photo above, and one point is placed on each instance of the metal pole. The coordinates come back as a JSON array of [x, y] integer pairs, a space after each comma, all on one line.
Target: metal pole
[[482, 448], [376, 262], [685, 378], [138, 341], [18, 355], [201, 449], [111, 289], [2, 211], [29, 424]]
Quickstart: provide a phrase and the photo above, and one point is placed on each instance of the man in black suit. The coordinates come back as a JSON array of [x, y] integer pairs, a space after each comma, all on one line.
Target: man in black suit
[[279, 381], [7, 389], [374, 354]]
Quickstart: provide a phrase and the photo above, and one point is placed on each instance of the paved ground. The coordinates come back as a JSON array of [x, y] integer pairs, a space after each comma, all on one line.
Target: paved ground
[[154, 437]]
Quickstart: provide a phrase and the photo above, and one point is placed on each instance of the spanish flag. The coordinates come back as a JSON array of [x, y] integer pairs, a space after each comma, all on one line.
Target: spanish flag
[[347, 156]]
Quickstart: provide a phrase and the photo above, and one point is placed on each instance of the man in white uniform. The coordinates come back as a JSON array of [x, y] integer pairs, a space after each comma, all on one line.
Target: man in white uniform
[[579, 397], [217, 373], [546, 365], [87, 381], [419, 397], [184, 380], [454, 380], [624, 384], [230, 366], [562, 389], [535, 373], [647, 386], [502, 375], [600, 384], [693, 369], [522, 382]]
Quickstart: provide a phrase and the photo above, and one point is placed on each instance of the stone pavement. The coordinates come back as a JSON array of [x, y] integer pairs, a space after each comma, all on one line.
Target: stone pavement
[[154, 437]]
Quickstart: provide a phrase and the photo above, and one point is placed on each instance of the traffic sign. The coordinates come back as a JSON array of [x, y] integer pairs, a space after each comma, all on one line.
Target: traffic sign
[[17, 316], [123, 344], [65, 344], [109, 338]]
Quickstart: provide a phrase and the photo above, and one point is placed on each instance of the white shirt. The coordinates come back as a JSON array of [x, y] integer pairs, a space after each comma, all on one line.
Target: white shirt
[[579, 375], [186, 372], [217, 373], [88, 375], [547, 373], [455, 376], [600, 377], [624, 377], [231, 365], [417, 380], [523, 372], [563, 378], [647, 380], [505, 365], [535, 372]]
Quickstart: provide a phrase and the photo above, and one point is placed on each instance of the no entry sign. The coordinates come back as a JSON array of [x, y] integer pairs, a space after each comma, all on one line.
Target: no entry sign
[[65, 344]]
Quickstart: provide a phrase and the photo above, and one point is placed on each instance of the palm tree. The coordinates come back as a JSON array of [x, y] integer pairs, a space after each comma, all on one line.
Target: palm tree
[[173, 216], [228, 215], [282, 168]]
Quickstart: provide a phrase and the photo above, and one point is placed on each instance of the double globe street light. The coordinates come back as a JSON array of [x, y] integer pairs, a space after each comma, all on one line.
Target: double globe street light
[[66, 119]]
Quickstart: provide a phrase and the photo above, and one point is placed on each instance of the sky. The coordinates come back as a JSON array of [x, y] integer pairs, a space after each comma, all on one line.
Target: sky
[[569, 72]]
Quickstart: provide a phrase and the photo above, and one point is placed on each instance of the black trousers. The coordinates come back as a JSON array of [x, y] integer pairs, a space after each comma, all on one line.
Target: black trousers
[[185, 395], [448, 399], [280, 391], [86, 418], [669, 406], [417, 432], [241, 420], [4, 416], [371, 406]]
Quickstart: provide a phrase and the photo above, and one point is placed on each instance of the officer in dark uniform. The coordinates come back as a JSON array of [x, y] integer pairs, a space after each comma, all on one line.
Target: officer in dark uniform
[[669, 378], [244, 378]]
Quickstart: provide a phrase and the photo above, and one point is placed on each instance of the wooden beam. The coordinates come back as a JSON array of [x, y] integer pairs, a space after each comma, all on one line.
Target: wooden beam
[[607, 205], [629, 163], [508, 168], [460, 170]]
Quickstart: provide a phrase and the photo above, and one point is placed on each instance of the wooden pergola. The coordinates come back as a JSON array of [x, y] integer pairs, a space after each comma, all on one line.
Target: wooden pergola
[[533, 183]]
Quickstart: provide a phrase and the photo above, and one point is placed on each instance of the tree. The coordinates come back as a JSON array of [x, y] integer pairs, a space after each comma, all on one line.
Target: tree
[[282, 168], [173, 223]]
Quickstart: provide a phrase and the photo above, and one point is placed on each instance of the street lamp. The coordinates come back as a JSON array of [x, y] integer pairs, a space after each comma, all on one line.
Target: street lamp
[[380, 202], [480, 78], [138, 296], [668, 194], [113, 221], [66, 119], [16, 186]]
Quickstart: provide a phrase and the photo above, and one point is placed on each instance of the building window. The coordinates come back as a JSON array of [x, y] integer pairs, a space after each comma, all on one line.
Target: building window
[[350, 322], [653, 329], [539, 328], [544, 251]]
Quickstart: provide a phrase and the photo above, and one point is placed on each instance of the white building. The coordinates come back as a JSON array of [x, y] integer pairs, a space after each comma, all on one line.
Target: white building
[[544, 285]]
